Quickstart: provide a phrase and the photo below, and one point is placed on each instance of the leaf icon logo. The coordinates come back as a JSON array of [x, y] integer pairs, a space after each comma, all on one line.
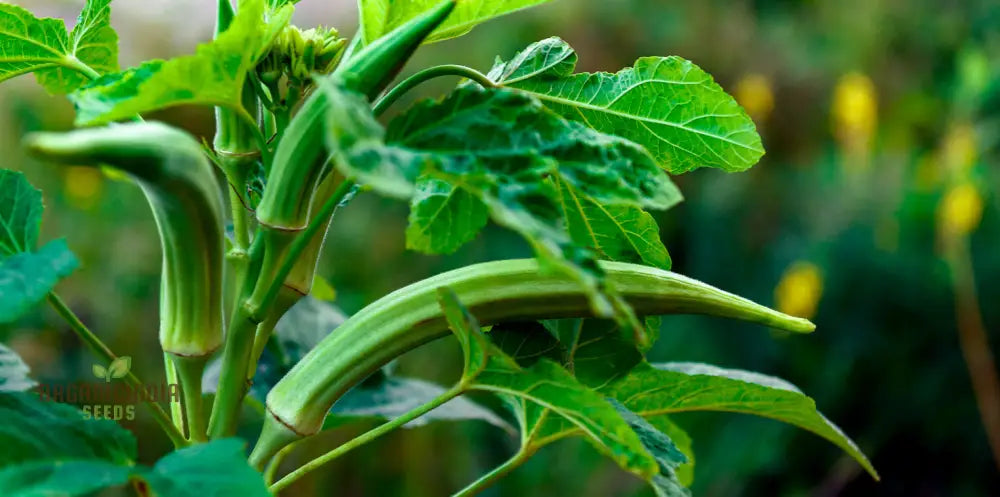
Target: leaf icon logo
[[117, 369]]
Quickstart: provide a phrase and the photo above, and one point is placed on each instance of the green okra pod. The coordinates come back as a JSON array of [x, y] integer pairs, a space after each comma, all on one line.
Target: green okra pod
[[178, 181], [301, 159], [495, 292]]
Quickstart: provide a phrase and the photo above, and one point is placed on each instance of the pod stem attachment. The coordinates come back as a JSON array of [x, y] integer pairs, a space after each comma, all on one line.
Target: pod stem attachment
[[189, 372]]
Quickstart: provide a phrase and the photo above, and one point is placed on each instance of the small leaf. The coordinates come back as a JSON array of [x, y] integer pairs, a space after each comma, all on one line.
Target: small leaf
[[120, 367], [214, 75], [651, 390], [216, 468], [62, 61], [13, 372], [20, 214], [379, 17], [393, 396], [26, 278], [99, 371], [666, 104]]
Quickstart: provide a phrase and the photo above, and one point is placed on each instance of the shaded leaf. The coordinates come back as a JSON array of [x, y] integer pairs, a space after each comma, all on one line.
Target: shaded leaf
[[62, 61], [547, 386], [443, 217], [20, 214], [651, 390], [394, 396], [667, 455], [379, 17], [26, 278], [666, 104], [305, 324], [214, 75], [216, 468], [13, 372]]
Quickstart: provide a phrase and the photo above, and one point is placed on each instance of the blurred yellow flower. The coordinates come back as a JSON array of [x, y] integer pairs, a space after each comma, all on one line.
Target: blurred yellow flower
[[799, 290], [753, 92], [82, 186], [959, 148], [855, 112], [960, 210]]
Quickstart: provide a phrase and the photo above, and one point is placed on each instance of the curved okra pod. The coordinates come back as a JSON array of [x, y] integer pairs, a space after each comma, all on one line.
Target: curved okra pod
[[178, 181], [495, 292]]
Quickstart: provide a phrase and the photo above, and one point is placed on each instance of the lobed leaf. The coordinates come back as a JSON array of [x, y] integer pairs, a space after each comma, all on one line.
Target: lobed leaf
[[652, 390], [666, 104], [13, 372], [378, 17], [61, 61], [214, 75]]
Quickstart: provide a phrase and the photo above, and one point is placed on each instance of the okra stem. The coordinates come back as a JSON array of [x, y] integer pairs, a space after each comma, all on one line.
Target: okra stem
[[98, 347], [427, 74], [189, 372]]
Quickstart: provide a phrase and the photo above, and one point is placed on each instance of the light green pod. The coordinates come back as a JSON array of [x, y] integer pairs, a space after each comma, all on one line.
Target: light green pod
[[178, 181], [494, 291]]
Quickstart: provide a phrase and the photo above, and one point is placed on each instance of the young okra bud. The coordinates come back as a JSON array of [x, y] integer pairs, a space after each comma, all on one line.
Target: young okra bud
[[513, 290], [178, 181]]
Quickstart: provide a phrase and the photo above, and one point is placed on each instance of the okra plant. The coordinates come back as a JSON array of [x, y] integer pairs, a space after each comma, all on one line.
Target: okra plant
[[570, 161]]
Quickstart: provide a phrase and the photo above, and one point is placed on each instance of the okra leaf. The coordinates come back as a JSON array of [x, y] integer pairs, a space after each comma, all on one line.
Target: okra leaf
[[26, 278], [214, 75], [548, 387], [13, 372], [216, 468], [62, 61], [443, 217], [652, 390], [666, 104], [393, 396], [378, 17], [668, 456], [20, 214]]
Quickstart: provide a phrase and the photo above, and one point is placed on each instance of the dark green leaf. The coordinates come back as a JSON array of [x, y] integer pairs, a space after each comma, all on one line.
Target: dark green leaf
[[667, 455], [544, 387], [666, 104], [214, 75], [443, 217], [651, 390], [61, 61], [20, 214], [379, 17], [13, 372], [26, 278], [217, 468]]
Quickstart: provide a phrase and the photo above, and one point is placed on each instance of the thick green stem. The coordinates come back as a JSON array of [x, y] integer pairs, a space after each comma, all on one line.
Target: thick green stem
[[490, 479], [189, 372], [427, 74], [233, 381], [259, 458], [102, 350]]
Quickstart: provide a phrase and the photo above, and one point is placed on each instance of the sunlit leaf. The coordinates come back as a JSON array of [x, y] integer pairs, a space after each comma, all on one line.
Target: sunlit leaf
[[379, 17], [666, 104], [61, 61]]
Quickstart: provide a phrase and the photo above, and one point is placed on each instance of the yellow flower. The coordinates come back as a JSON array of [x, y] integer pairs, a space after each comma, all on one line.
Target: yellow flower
[[799, 290], [82, 186], [753, 92], [855, 112], [960, 210]]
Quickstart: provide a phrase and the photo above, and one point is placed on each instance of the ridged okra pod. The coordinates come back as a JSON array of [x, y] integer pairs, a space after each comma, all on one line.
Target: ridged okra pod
[[178, 181], [494, 292]]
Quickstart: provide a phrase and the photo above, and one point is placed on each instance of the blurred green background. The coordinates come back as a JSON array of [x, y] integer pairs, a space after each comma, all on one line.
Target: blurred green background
[[874, 212]]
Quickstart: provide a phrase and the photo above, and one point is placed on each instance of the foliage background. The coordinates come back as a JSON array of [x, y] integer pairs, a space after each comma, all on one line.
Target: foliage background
[[870, 111]]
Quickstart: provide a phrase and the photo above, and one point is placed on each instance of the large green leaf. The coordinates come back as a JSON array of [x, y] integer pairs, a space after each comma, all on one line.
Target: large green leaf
[[217, 468], [379, 17], [547, 387], [666, 104], [501, 147], [26, 278], [651, 390], [13, 372], [20, 214], [214, 75], [61, 61]]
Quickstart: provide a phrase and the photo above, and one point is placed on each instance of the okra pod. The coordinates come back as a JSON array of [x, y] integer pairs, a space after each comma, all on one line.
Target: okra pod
[[495, 292]]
